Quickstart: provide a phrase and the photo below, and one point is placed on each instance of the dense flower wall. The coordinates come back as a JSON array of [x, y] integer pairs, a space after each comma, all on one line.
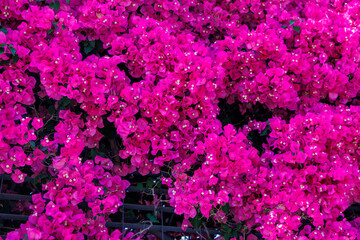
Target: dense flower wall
[[154, 79]]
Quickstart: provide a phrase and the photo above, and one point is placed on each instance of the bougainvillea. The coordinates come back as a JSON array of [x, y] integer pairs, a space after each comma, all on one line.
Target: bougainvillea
[[251, 106]]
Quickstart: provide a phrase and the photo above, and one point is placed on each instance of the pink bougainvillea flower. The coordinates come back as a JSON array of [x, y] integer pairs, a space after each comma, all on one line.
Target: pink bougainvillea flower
[[18, 176], [37, 123]]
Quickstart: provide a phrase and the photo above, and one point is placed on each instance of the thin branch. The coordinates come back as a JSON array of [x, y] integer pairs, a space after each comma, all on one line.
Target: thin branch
[[144, 230], [202, 237], [206, 229]]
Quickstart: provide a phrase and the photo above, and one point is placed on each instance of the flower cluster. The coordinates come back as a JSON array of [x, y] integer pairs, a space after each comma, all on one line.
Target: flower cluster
[[92, 91]]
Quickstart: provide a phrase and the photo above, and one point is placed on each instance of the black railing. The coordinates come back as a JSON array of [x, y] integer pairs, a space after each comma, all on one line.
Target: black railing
[[19, 217], [161, 228]]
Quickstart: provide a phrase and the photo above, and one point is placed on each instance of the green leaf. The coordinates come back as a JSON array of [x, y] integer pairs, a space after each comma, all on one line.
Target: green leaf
[[88, 49], [152, 218], [32, 143], [101, 154], [12, 50], [2, 50], [67, 1], [42, 178], [197, 220], [98, 45], [229, 233], [49, 31], [149, 183], [292, 22], [227, 236], [225, 208], [15, 58], [140, 186], [93, 153], [159, 184], [284, 26], [238, 226], [55, 24], [3, 62], [63, 26], [92, 43], [227, 228], [55, 5], [43, 148], [52, 109], [351, 76], [225, 121], [4, 30], [130, 213], [64, 102], [265, 131], [3, 45], [89, 46], [296, 28]]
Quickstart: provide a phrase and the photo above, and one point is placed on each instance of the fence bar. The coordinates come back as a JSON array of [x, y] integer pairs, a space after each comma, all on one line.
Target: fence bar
[[123, 225], [7, 177], [129, 189], [162, 224], [123, 218], [16, 217], [2, 180], [155, 227], [18, 197], [19, 217], [147, 207], [156, 190]]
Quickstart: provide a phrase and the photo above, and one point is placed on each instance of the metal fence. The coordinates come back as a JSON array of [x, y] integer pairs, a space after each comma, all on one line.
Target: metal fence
[[161, 228]]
